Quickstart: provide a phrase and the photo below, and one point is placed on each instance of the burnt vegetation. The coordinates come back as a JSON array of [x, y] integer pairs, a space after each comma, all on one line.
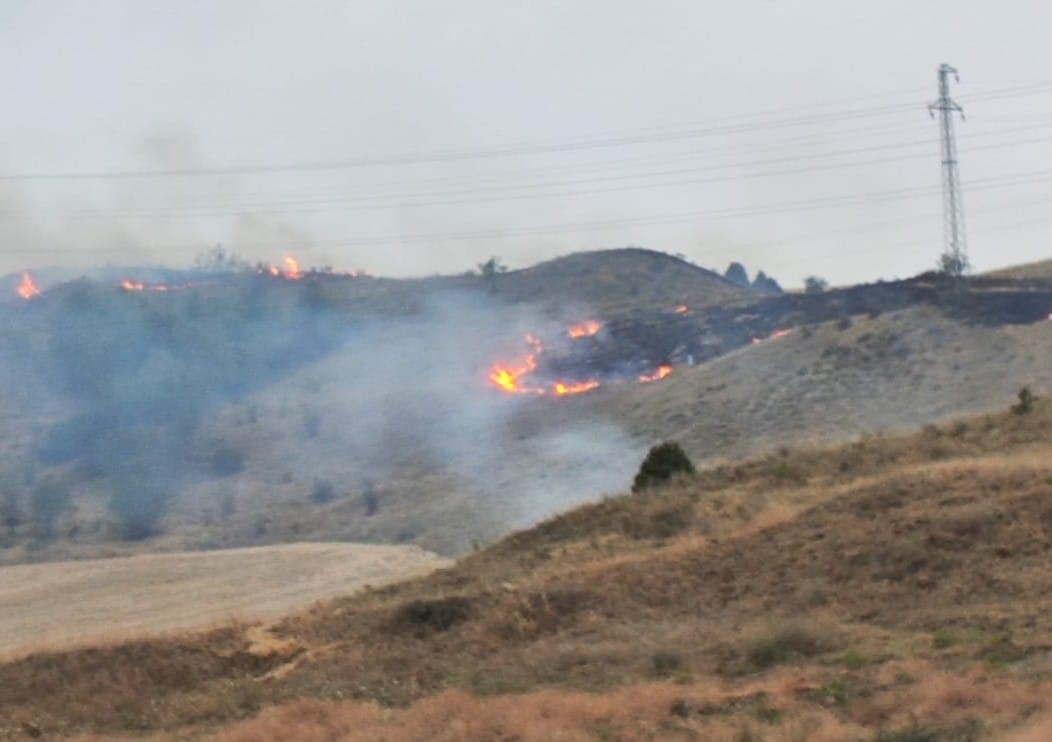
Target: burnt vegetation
[[143, 375]]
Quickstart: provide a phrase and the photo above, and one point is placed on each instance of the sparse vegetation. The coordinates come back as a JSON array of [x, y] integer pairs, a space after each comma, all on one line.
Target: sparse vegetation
[[1026, 401], [581, 603], [138, 505], [322, 491], [815, 285], [953, 266], [47, 501], [788, 643], [226, 461], [371, 499], [491, 271]]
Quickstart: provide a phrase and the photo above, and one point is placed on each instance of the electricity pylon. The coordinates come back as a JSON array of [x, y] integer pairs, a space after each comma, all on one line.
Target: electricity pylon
[[954, 260]]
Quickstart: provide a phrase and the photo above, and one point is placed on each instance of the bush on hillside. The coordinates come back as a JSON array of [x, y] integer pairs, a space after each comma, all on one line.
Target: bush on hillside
[[815, 285], [48, 501], [662, 462], [1026, 401], [226, 461], [10, 510], [138, 507], [323, 491]]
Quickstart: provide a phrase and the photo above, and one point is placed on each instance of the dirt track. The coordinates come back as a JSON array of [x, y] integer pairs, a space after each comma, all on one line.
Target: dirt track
[[61, 604]]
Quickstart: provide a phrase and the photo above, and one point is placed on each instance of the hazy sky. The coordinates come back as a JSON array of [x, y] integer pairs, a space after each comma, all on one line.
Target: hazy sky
[[416, 137]]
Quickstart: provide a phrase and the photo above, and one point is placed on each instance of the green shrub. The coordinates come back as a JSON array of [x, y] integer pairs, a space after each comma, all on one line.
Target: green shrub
[[662, 462]]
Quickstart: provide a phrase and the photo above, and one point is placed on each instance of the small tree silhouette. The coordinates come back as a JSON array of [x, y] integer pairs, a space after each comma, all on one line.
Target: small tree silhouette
[[815, 285], [1026, 401], [490, 270], [954, 266]]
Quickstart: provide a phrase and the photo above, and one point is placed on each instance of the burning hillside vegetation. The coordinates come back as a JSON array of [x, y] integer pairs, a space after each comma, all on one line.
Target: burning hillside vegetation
[[173, 400]]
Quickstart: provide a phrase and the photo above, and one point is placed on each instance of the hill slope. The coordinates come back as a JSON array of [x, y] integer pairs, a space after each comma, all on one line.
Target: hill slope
[[254, 409], [896, 585], [838, 380], [614, 283]]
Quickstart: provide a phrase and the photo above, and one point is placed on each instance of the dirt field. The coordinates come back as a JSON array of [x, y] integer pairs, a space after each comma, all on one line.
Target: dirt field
[[63, 604]]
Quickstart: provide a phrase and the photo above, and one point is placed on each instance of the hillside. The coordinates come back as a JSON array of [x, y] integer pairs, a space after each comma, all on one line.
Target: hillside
[[1041, 269], [839, 380], [620, 282], [253, 409], [891, 587]]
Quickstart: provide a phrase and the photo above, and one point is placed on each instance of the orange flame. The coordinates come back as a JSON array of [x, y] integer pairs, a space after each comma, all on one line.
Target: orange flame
[[291, 271], [562, 388], [660, 373], [585, 329], [508, 378], [27, 289], [129, 285], [292, 268], [773, 336]]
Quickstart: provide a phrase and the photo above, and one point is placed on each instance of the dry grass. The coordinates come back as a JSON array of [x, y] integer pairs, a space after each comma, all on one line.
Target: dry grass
[[639, 713], [789, 706], [63, 604], [893, 585]]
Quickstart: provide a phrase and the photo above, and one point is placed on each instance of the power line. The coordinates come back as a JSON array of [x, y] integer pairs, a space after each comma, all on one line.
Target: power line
[[803, 205], [515, 191], [577, 144]]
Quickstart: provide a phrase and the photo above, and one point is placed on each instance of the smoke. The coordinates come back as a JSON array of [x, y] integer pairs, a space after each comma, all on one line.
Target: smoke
[[411, 394], [360, 381]]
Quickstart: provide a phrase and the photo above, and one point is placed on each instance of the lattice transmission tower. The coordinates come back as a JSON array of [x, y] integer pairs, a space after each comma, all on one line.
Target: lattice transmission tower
[[954, 260]]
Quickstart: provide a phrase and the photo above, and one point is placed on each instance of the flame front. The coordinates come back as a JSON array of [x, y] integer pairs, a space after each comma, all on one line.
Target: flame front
[[291, 271], [511, 378], [585, 329], [562, 388], [773, 336], [507, 378], [660, 373], [129, 285], [27, 289], [292, 268]]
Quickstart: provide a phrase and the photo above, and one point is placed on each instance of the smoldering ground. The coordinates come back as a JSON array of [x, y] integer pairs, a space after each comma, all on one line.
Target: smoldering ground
[[138, 385]]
